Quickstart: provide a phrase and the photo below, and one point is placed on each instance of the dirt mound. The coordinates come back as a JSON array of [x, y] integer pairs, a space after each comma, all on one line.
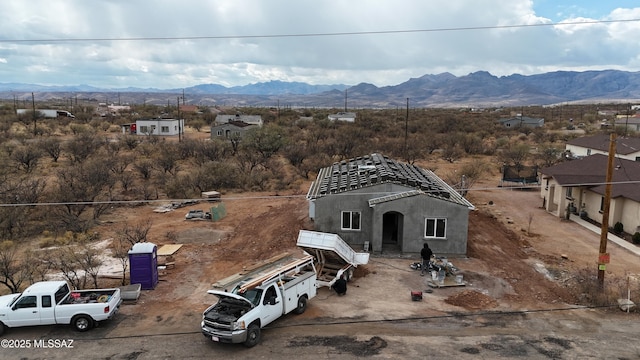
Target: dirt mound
[[472, 300], [504, 253]]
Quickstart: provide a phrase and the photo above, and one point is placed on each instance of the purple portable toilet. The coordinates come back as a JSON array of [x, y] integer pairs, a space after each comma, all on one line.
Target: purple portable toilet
[[143, 265]]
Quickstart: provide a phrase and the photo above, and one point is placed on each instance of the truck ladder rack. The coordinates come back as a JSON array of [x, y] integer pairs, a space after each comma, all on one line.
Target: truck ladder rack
[[292, 266]]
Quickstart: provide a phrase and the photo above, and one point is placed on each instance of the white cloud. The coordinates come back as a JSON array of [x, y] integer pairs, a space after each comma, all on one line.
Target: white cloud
[[232, 42]]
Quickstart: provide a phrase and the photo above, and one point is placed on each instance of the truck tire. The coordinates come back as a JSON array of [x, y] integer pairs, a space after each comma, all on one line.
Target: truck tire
[[253, 336], [82, 323], [2, 328], [302, 305]]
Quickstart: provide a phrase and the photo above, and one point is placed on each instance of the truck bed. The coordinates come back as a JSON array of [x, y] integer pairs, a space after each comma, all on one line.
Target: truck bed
[[89, 296]]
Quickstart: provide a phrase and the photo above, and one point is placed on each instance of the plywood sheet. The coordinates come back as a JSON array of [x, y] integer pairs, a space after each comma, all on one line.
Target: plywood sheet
[[170, 249]]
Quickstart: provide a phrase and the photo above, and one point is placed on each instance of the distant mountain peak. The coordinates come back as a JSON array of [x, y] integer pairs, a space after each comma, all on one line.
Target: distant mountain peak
[[477, 89]]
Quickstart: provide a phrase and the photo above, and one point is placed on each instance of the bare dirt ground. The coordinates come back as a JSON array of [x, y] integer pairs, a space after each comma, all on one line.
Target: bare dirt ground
[[519, 257], [520, 261]]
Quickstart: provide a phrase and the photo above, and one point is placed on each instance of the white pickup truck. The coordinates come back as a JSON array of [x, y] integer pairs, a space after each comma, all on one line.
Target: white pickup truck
[[53, 302], [239, 315]]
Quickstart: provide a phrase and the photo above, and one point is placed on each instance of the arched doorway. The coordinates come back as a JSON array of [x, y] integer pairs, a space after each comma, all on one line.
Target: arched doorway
[[392, 231]]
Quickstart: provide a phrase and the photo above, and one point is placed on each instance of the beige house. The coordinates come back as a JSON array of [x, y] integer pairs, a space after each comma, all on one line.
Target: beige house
[[578, 186], [626, 147]]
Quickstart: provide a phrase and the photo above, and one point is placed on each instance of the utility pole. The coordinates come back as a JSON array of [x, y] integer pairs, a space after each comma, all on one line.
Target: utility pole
[[345, 100], [626, 123], [406, 133], [179, 122], [35, 117], [603, 256]]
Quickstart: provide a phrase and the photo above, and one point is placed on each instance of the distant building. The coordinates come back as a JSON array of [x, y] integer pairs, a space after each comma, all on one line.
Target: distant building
[[249, 119], [189, 108], [159, 127], [632, 123], [229, 130], [521, 121], [115, 109], [343, 116], [607, 112], [626, 147]]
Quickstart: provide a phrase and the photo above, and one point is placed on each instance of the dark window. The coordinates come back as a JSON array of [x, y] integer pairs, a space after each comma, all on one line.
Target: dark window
[[61, 293], [27, 302], [435, 228], [46, 301], [350, 220], [269, 294]]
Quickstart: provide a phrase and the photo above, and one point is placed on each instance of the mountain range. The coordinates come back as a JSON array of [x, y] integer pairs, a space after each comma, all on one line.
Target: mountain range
[[478, 89]]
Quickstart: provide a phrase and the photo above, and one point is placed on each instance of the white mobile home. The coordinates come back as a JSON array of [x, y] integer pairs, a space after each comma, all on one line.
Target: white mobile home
[[160, 127]]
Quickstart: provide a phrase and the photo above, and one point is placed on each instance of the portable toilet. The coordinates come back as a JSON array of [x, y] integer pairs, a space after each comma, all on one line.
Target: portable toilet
[[143, 265]]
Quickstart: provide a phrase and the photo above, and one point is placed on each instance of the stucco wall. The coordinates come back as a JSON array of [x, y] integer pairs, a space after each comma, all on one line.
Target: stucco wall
[[623, 210], [414, 210]]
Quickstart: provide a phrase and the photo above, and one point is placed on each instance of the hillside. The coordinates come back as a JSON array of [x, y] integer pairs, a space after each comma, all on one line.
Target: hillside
[[478, 89]]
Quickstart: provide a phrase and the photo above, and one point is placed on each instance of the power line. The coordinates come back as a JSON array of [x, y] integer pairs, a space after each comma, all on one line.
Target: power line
[[349, 33]]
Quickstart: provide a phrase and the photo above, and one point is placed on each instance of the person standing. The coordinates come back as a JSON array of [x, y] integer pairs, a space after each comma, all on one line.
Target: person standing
[[425, 254]]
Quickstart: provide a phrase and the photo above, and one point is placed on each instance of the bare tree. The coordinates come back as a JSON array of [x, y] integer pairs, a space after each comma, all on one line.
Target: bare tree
[[76, 188], [64, 260], [82, 146], [166, 159], [464, 178], [515, 155], [13, 272], [51, 146], [40, 264], [144, 168], [133, 233], [215, 150], [89, 260], [26, 157], [197, 124], [120, 247], [14, 220]]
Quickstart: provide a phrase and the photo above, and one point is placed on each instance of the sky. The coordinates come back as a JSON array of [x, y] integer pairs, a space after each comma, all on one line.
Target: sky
[[167, 44]]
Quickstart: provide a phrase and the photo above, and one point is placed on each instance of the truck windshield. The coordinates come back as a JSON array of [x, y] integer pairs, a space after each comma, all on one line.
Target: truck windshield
[[253, 295]]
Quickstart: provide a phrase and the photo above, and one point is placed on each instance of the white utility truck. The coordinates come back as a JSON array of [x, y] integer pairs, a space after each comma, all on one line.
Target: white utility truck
[[240, 314], [283, 285], [53, 302]]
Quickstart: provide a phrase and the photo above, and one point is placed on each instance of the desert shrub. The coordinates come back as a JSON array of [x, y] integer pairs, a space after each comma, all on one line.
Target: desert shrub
[[618, 228], [636, 238], [588, 291]]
